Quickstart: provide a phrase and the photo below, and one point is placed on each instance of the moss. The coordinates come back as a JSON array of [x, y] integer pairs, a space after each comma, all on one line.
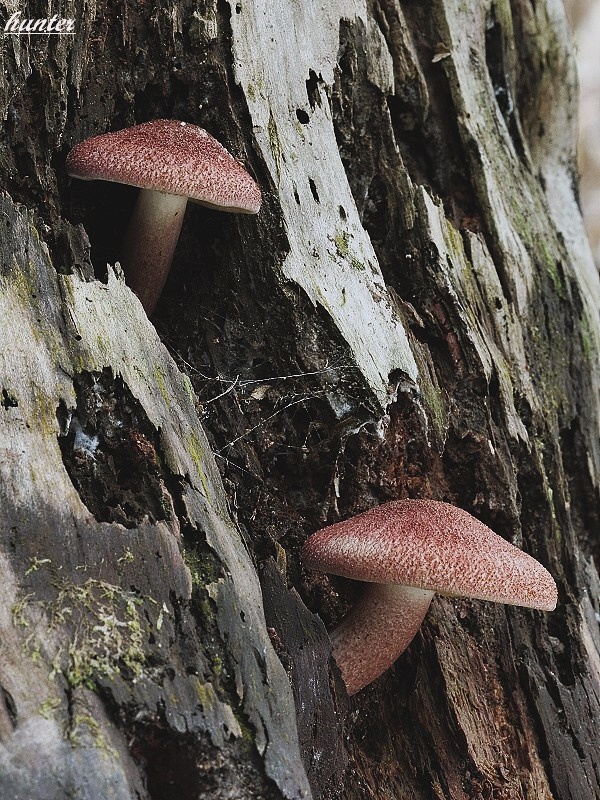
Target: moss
[[551, 264], [206, 695], [160, 380], [248, 740], [254, 90], [436, 404], [105, 629], [217, 665], [36, 563], [49, 707], [109, 634], [587, 339], [102, 350], [126, 558], [537, 246], [203, 566], [189, 389], [198, 454], [20, 616], [341, 240], [43, 410], [165, 505], [84, 727], [342, 243]]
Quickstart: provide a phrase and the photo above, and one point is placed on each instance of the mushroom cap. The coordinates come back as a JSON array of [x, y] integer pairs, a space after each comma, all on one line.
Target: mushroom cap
[[168, 156], [431, 545]]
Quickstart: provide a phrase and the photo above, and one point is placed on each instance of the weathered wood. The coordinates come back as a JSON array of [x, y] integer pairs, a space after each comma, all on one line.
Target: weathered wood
[[98, 426], [415, 312], [302, 644]]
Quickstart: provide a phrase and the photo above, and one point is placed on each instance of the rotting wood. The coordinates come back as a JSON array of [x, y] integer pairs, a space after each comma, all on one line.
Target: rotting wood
[[415, 312], [91, 604]]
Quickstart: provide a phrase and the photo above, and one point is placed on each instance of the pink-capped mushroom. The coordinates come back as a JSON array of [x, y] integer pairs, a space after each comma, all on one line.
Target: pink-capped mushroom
[[406, 551], [171, 162]]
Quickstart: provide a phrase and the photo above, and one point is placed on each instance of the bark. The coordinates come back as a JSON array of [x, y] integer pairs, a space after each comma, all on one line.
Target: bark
[[414, 313]]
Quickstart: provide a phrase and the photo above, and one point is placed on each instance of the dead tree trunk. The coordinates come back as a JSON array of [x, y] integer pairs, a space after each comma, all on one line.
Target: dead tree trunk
[[414, 313]]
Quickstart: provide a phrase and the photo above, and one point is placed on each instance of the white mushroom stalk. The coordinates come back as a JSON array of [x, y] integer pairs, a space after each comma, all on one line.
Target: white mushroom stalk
[[171, 162], [152, 236], [406, 551]]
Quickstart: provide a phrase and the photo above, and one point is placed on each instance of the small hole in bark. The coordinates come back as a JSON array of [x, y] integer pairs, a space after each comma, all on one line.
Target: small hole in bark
[[302, 116], [8, 401], [312, 89], [9, 705], [499, 76], [313, 189]]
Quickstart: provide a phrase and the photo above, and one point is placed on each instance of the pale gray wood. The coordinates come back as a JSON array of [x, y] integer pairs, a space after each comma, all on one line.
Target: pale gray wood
[[418, 287]]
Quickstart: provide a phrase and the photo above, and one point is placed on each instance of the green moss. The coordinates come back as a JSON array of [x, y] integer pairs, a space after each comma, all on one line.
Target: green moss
[[341, 240], [20, 615], [166, 506], [101, 347], [36, 563], [84, 727], [587, 338], [109, 633], [101, 629], [49, 707], [248, 740], [126, 558], [217, 665], [198, 455], [342, 243], [203, 566], [206, 696], [206, 570], [189, 389], [160, 380], [43, 410]]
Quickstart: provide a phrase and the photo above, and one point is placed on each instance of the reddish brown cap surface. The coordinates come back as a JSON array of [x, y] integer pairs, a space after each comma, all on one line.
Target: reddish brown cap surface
[[168, 156], [431, 545]]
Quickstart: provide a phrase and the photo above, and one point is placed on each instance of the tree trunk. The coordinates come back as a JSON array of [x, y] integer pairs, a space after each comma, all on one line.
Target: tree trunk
[[413, 313]]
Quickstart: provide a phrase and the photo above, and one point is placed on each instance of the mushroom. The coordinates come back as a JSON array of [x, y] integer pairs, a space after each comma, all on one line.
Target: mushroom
[[171, 162], [406, 551]]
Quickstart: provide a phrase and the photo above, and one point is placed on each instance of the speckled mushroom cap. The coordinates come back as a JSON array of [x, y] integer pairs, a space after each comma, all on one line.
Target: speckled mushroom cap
[[431, 545], [168, 156]]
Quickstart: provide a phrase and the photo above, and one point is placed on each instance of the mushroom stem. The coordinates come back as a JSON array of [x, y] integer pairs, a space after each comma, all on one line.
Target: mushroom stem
[[378, 628], [150, 242]]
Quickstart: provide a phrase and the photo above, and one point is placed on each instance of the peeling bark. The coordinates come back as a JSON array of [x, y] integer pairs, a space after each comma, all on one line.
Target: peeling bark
[[414, 313]]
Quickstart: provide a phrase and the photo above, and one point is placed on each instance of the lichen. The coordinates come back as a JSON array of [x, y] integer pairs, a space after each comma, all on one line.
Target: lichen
[[49, 707], [587, 338], [341, 240], [160, 380], [100, 629], [198, 454], [84, 727]]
